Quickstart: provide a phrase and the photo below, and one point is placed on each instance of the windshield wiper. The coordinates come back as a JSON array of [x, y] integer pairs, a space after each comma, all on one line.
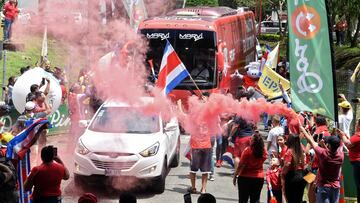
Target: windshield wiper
[[139, 132]]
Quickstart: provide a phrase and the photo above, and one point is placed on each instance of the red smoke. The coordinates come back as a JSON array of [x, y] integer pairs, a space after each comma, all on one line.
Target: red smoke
[[126, 77]]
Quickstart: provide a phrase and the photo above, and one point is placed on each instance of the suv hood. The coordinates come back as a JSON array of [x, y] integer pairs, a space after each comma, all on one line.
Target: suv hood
[[118, 142]]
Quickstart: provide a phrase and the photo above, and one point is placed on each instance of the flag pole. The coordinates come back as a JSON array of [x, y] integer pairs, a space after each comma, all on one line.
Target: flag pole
[[336, 119], [196, 85]]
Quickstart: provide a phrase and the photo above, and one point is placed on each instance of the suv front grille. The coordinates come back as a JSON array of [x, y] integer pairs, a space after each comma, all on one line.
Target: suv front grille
[[113, 165]]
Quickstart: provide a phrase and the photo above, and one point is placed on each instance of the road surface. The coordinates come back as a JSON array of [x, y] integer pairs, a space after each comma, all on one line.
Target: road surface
[[177, 181]]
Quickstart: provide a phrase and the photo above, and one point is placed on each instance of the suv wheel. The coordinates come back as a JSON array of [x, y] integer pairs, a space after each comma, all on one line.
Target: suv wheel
[[159, 183], [176, 159]]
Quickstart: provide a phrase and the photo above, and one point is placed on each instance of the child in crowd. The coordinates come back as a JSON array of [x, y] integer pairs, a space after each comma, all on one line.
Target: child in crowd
[[281, 148], [273, 180]]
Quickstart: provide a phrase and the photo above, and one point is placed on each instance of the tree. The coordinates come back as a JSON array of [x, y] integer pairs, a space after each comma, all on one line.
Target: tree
[[350, 10], [228, 3], [190, 3]]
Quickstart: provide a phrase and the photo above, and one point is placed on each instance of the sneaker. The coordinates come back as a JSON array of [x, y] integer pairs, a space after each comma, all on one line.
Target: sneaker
[[211, 177], [218, 164]]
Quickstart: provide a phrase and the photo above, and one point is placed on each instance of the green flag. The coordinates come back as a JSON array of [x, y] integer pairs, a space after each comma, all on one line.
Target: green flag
[[311, 74]]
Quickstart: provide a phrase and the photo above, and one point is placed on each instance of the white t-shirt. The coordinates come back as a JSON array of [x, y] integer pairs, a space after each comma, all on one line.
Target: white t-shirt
[[272, 137], [345, 121]]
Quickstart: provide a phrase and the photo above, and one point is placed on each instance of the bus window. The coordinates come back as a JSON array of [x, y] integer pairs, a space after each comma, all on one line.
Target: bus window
[[196, 49]]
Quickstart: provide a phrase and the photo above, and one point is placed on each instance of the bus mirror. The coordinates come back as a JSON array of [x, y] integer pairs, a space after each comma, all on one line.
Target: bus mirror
[[220, 61]]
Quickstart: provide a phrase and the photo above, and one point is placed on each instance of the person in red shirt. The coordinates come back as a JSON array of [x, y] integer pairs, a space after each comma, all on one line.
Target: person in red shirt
[[282, 148], [353, 144], [330, 160], [46, 178], [11, 12], [292, 181], [250, 173], [273, 179]]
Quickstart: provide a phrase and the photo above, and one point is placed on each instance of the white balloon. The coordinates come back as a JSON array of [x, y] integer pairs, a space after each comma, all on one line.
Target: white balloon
[[34, 76]]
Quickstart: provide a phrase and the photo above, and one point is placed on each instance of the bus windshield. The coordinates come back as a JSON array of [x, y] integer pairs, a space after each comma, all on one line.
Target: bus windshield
[[195, 48]]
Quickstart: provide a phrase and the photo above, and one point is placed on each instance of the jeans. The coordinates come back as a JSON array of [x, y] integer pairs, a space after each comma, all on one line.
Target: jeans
[[212, 154], [219, 148], [356, 171], [266, 120], [327, 195], [7, 29]]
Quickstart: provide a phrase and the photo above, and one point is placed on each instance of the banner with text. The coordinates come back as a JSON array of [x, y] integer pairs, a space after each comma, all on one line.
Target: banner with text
[[311, 73], [269, 83]]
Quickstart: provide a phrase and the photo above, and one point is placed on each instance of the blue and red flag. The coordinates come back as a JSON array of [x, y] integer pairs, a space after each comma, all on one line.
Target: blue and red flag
[[172, 70], [21, 143], [19, 149]]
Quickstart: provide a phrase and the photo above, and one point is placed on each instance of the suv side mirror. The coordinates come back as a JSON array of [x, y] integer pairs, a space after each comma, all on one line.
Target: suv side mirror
[[170, 127], [84, 123]]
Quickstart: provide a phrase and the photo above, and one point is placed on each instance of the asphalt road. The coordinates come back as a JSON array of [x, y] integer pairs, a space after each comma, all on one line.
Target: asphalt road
[[177, 181]]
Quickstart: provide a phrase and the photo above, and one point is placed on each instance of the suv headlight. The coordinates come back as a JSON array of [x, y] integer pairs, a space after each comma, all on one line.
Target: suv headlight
[[151, 151], [81, 149]]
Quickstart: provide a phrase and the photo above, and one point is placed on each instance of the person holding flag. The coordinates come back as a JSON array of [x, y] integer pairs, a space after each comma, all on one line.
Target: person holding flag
[[172, 72]]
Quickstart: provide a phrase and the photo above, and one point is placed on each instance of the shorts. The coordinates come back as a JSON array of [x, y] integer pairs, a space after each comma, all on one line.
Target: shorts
[[200, 160]]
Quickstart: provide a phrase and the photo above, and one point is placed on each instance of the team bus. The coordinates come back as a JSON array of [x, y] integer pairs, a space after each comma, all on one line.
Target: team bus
[[212, 42]]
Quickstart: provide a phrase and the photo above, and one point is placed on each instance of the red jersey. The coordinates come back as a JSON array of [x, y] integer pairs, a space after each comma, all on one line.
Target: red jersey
[[240, 144], [288, 158], [329, 167], [249, 82], [10, 11], [253, 165], [47, 179], [354, 151], [283, 152], [273, 177]]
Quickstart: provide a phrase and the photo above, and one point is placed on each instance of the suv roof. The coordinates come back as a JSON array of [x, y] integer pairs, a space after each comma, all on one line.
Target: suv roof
[[116, 103]]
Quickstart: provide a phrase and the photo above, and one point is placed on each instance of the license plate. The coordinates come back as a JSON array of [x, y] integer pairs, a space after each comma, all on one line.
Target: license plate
[[110, 172]]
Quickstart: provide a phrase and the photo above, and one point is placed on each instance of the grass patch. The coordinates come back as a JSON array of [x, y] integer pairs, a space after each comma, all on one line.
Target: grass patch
[[31, 55]]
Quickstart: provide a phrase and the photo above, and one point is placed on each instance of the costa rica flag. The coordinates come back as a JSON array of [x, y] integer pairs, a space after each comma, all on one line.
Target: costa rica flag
[[172, 70]]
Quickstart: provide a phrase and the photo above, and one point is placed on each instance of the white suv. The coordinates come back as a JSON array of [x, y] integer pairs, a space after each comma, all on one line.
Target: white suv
[[122, 142]]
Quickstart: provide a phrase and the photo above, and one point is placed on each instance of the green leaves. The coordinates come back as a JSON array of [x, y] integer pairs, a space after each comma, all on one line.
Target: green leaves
[[190, 3]]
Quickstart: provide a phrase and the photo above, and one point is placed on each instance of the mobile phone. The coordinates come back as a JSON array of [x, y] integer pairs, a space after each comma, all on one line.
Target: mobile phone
[[43, 81], [55, 151], [187, 198], [321, 136]]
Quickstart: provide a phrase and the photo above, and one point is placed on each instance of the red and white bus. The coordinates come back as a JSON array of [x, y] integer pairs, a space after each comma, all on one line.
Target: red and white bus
[[212, 42]]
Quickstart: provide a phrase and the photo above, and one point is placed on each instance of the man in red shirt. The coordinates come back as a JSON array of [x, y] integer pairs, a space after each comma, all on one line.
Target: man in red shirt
[[10, 11], [330, 160], [46, 178], [200, 158]]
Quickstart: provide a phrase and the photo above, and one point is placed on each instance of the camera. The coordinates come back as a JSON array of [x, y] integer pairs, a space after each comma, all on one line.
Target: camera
[[43, 81], [356, 100]]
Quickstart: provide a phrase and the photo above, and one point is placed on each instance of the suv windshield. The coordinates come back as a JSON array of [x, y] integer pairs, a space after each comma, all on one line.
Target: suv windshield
[[124, 120], [195, 48]]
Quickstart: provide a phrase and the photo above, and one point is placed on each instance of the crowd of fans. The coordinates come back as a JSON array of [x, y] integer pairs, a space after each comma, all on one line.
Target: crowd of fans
[[293, 164]]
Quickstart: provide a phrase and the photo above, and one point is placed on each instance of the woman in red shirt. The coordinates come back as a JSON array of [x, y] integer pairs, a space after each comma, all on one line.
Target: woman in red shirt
[[353, 144], [250, 173], [292, 181]]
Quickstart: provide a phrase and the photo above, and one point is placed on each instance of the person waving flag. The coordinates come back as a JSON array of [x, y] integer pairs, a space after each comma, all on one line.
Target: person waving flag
[[172, 70]]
